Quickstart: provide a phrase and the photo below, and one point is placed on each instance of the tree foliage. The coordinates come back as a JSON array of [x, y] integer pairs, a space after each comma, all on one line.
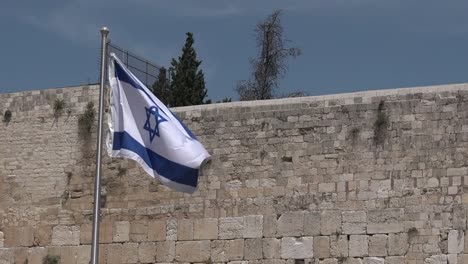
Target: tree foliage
[[188, 81], [270, 65], [161, 88]]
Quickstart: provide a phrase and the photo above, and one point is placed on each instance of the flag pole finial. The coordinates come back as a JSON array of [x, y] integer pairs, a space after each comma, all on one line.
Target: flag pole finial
[[104, 31]]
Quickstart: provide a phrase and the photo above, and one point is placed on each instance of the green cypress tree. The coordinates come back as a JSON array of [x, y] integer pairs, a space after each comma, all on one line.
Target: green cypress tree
[[188, 81], [161, 87]]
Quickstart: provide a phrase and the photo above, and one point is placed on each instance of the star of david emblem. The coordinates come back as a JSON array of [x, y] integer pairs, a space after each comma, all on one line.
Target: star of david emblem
[[153, 119]]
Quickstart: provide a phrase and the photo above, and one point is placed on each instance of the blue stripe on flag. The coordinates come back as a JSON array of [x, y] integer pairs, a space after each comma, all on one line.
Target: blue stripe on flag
[[164, 167]]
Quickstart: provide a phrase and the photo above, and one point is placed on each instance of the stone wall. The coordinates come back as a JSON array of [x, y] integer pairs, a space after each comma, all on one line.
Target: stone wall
[[369, 177]]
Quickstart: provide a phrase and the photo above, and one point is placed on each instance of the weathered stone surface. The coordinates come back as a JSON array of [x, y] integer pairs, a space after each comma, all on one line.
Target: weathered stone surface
[[185, 229], [291, 224], [378, 245], [436, 259], [373, 260], [231, 227], [339, 246], [138, 231], [395, 260], [157, 230], [398, 244], [18, 236], [205, 228], [253, 248], [236, 249], [270, 225], [330, 222], [219, 250], [147, 252], [36, 255], [65, 235], [121, 231], [312, 223], [122, 253], [171, 229], [456, 241], [165, 251], [193, 251], [297, 248], [253, 226], [358, 245], [322, 247], [271, 248]]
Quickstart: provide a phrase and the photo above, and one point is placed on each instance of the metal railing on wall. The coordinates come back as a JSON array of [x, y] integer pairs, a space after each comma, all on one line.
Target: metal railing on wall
[[146, 71]]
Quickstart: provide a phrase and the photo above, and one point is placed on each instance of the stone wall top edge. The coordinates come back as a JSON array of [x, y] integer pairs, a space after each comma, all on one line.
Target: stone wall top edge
[[342, 96], [48, 90], [282, 101]]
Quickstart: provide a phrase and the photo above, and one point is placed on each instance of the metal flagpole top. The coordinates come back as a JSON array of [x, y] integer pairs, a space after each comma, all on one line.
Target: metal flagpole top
[[104, 31]]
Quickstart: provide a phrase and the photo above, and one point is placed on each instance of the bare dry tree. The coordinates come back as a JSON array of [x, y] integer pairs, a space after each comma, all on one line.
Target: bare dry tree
[[270, 65]]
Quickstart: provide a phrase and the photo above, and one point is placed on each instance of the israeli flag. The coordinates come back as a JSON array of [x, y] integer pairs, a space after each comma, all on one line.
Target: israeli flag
[[145, 130]]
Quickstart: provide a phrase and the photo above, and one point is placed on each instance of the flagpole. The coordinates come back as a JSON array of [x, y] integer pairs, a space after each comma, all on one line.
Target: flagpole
[[97, 180]]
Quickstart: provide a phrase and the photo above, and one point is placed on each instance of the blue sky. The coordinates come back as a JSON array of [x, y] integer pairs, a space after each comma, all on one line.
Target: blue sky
[[347, 45]]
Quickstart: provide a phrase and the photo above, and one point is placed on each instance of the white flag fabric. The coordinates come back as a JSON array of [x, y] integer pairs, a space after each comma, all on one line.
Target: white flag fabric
[[145, 130]]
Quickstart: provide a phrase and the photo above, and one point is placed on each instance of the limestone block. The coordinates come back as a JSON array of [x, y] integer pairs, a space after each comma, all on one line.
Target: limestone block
[[373, 260], [20, 255], [122, 253], [378, 245], [269, 225], [452, 258], [353, 261], [312, 223], [231, 227], [328, 261], [322, 247], [358, 246], [147, 252], [193, 251], [354, 217], [271, 248], [171, 229], [65, 235], [138, 231], [157, 230], [165, 251], [253, 248], [395, 260], [354, 228], [398, 244], [462, 258], [385, 228], [236, 249], [43, 235], [83, 255], [121, 231], [330, 222], [436, 259], [205, 228], [291, 224], [36, 255], [253, 226], [18, 236], [456, 241], [219, 251], [185, 229], [297, 248], [459, 217], [339, 246]]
